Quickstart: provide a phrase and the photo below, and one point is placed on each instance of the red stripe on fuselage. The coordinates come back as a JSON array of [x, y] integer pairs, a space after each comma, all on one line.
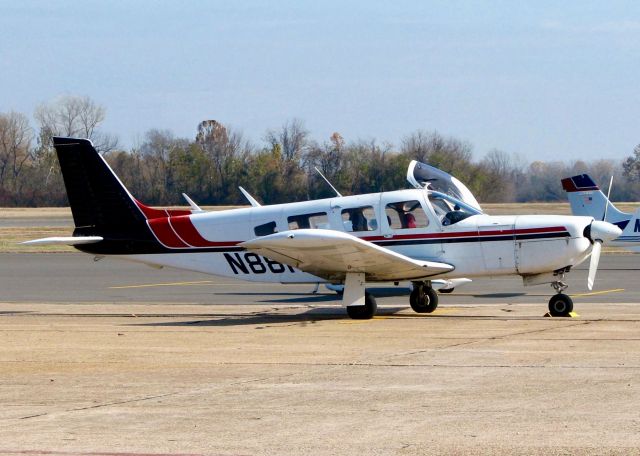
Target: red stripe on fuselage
[[152, 213], [188, 232], [179, 232], [165, 234], [550, 229]]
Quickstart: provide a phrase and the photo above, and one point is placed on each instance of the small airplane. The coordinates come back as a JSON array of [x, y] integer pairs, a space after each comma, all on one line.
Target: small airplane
[[436, 230], [586, 199]]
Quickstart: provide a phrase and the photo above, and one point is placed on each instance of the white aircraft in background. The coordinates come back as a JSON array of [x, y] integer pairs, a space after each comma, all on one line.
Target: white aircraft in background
[[415, 235], [586, 199]]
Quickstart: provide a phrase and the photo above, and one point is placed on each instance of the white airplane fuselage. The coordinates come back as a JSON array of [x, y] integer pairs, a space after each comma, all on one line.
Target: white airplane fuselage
[[480, 245]]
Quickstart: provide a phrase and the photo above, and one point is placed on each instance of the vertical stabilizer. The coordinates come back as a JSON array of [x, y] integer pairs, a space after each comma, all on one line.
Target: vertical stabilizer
[[586, 198], [100, 203]]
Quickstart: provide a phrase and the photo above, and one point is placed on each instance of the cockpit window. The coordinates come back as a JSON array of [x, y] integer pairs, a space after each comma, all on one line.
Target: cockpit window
[[359, 219], [406, 215], [450, 210], [318, 220]]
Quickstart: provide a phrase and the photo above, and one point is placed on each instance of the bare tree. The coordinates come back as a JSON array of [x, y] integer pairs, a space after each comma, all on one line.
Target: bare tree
[[15, 148], [75, 117], [431, 147], [157, 150], [292, 138], [227, 150], [631, 165]]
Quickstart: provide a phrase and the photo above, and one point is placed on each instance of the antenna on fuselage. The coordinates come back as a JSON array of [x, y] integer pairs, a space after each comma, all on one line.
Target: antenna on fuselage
[[604, 216], [327, 181], [250, 198], [195, 209]]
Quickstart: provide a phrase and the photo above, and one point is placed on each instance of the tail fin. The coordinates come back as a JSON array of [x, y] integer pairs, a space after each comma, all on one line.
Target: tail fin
[[100, 203], [631, 234], [587, 199], [97, 198]]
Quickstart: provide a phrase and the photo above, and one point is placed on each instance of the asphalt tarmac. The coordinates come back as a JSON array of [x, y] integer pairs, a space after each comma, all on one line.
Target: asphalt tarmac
[[76, 277], [113, 358]]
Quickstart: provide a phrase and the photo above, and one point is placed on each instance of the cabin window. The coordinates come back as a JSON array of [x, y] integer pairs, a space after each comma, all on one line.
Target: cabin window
[[265, 229], [359, 219], [406, 215], [317, 220]]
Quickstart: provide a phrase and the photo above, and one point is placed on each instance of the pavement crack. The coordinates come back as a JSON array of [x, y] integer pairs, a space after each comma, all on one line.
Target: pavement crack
[[106, 404], [158, 396], [482, 339], [536, 331]]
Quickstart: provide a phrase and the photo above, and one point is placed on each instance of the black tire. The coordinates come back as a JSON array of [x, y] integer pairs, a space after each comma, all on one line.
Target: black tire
[[560, 305], [446, 290], [363, 312], [423, 299]]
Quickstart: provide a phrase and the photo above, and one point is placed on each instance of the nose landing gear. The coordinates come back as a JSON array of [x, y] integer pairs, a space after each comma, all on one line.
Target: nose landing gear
[[560, 305]]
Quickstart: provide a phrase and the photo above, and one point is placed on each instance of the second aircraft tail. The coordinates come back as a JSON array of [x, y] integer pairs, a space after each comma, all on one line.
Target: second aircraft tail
[[586, 198]]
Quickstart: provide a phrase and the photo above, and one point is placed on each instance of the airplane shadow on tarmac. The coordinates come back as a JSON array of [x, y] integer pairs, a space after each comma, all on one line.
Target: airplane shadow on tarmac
[[315, 315], [311, 316]]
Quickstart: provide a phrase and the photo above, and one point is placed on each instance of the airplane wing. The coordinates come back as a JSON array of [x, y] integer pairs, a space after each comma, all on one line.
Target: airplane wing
[[332, 254]]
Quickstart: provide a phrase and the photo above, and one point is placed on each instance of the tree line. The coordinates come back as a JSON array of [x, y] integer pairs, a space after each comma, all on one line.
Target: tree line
[[210, 166]]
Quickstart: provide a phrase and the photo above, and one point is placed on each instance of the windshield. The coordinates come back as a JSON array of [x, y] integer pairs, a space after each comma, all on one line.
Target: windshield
[[421, 175], [450, 210]]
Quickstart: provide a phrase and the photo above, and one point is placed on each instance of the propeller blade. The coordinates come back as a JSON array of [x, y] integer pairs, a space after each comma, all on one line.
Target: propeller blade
[[593, 265]]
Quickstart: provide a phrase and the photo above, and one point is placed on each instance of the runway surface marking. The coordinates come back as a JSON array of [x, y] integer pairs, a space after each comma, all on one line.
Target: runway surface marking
[[166, 284], [595, 293], [184, 284]]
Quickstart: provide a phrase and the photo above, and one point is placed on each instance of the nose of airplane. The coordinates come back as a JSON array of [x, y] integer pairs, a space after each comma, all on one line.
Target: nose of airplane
[[602, 231]]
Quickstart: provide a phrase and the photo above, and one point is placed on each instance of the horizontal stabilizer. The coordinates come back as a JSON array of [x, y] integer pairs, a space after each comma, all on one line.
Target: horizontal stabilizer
[[332, 254], [64, 240]]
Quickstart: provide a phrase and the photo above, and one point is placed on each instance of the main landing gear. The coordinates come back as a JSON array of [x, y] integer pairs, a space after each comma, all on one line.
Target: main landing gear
[[560, 305], [360, 304], [424, 298], [364, 312]]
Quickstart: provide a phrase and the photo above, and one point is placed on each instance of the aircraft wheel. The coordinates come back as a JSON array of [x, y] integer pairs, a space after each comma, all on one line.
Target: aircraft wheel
[[560, 305], [445, 290], [423, 299], [363, 312]]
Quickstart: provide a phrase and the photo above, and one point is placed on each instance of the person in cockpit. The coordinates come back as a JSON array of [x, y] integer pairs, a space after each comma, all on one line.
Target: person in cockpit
[[454, 216]]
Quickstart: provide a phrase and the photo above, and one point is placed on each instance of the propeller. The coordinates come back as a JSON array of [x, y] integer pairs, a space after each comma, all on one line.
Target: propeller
[[593, 265], [597, 238], [598, 232]]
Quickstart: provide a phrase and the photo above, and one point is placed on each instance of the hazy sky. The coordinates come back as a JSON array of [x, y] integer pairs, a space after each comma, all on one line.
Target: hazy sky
[[548, 80]]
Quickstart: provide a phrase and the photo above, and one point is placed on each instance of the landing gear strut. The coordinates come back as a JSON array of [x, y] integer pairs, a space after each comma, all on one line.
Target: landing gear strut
[[424, 298], [560, 305]]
